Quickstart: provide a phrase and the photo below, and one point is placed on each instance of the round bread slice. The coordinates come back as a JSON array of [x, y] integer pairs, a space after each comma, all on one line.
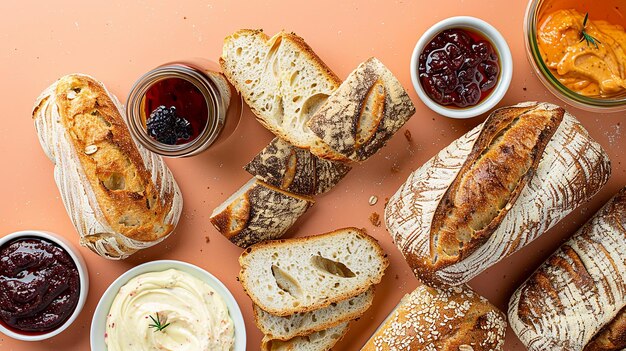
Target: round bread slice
[[299, 275]]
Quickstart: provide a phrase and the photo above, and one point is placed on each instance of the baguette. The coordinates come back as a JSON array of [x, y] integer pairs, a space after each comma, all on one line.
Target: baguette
[[494, 190], [299, 324], [283, 81], [120, 197], [446, 319], [299, 275], [258, 212], [367, 109], [295, 170], [322, 340], [576, 300]]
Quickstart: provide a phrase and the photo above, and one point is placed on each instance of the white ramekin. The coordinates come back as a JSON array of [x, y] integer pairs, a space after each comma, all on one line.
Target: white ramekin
[[83, 276], [98, 323], [504, 55]]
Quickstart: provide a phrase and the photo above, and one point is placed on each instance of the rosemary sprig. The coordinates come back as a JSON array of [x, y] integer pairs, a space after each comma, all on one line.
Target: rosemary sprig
[[157, 323], [586, 36]]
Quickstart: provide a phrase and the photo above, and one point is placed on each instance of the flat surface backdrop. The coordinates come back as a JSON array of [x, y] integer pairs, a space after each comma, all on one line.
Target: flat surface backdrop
[[117, 41]]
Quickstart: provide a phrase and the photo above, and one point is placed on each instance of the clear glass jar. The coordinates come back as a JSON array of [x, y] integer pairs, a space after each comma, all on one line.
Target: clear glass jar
[[601, 9], [223, 105]]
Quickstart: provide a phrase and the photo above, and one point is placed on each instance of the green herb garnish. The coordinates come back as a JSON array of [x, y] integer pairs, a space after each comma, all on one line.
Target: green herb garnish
[[585, 36], [157, 324]]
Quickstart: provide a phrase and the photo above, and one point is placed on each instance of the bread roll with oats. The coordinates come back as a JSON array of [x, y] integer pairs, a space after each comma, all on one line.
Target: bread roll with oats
[[445, 319], [120, 197]]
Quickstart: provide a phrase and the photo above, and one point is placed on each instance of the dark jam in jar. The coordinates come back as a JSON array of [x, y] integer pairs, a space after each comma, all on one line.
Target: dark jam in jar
[[39, 285], [190, 108], [458, 68]]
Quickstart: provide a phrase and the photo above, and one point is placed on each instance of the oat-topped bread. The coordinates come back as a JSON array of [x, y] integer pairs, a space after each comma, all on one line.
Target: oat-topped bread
[[296, 170], [283, 81], [364, 112], [303, 274], [444, 319], [576, 300], [120, 197], [322, 340], [494, 190], [257, 212], [299, 324]]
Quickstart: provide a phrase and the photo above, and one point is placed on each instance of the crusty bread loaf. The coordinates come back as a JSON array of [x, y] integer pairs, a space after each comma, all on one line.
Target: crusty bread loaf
[[364, 112], [258, 212], [576, 300], [298, 324], [303, 274], [296, 170], [445, 319], [120, 197], [322, 340], [494, 190], [283, 81]]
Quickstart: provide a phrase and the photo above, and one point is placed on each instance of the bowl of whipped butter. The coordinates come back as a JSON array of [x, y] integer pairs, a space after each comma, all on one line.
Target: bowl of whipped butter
[[167, 305]]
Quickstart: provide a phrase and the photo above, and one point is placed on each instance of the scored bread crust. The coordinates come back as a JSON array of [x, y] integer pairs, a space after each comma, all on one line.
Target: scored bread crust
[[367, 109], [296, 170], [268, 265], [322, 340], [257, 212], [266, 72], [445, 319], [287, 327], [576, 299], [572, 168], [120, 197]]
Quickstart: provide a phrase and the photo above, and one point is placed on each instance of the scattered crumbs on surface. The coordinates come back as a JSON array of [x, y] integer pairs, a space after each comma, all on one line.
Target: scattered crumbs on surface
[[397, 277], [184, 17], [364, 230], [375, 219], [614, 134], [373, 200], [237, 278], [386, 201], [524, 89], [207, 239], [433, 118], [408, 136], [395, 168]]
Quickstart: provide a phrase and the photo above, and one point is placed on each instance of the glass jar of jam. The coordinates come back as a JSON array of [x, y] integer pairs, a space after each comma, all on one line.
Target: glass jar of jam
[[181, 108]]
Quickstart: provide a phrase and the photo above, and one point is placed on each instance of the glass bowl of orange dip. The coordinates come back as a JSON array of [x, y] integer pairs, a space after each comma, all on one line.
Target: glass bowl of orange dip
[[583, 62]]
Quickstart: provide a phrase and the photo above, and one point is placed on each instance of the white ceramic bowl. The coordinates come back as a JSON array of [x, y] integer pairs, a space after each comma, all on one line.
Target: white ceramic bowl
[[98, 323], [83, 276], [504, 55]]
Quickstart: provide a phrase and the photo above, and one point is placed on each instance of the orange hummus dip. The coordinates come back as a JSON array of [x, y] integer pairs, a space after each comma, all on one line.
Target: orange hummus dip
[[582, 67]]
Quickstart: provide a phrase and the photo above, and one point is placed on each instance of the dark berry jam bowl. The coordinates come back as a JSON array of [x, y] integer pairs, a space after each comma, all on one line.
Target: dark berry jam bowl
[[201, 96], [504, 60], [83, 282]]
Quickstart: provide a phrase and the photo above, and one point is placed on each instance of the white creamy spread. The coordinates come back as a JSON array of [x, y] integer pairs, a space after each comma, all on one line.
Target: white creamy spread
[[197, 315]]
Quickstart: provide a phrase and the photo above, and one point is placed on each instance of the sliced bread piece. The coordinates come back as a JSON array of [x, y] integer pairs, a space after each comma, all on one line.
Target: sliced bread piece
[[257, 212], [296, 170], [366, 111], [298, 324], [303, 274], [283, 81], [322, 340]]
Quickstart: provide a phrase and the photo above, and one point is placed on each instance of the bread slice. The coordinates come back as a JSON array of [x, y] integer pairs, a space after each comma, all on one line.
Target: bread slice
[[366, 111], [296, 170], [258, 212], [303, 274], [298, 324], [322, 340], [283, 81]]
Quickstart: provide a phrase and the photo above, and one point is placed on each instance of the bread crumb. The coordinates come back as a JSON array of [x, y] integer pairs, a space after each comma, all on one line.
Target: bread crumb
[[408, 136], [207, 239], [375, 219], [395, 168], [373, 200]]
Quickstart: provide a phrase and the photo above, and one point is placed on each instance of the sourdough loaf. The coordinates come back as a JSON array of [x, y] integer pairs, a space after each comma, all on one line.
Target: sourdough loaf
[[576, 300], [296, 170], [322, 340], [364, 112], [257, 212], [120, 197], [299, 324], [297, 275], [283, 81], [445, 319], [494, 190]]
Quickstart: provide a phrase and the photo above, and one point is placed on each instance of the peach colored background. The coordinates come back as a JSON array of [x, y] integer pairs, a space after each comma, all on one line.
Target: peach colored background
[[117, 41]]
